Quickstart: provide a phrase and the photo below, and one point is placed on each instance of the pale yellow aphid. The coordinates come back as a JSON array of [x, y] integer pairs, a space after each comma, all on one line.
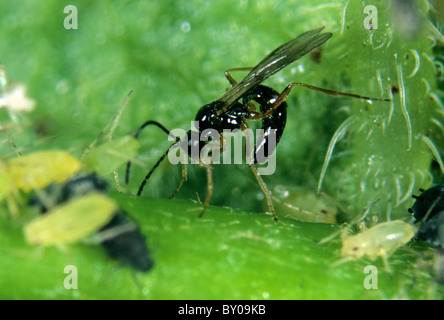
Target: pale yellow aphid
[[380, 240], [72, 221], [303, 204], [39, 169]]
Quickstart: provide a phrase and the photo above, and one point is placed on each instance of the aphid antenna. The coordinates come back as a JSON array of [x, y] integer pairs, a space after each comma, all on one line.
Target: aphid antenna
[[112, 125], [11, 142], [355, 221], [17, 150], [115, 120], [338, 263], [111, 128], [364, 212]]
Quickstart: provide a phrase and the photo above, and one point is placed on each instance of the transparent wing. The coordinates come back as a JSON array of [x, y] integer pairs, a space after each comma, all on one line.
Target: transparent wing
[[275, 61]]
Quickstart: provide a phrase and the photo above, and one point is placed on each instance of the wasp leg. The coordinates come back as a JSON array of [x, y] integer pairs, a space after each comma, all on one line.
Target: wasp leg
[[287, 91], [233, 82], [182, 179], [230, 77], [210, 186], [265, 191], [261, 182]]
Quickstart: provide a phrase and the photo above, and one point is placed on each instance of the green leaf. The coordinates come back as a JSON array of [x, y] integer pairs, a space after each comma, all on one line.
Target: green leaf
[[173, 57]]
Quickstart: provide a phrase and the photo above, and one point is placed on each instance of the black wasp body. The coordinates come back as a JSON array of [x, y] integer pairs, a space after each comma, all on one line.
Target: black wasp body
[[234, 118], [235, 107]]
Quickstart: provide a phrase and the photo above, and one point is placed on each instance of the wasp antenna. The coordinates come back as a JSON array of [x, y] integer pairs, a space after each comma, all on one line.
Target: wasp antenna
[[136, 135], [159, 125], [142, 185]]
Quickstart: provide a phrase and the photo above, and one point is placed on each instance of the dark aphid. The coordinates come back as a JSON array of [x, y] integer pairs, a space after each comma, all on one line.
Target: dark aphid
[[128, 247], [430, 202], [120, 237], [428, 211], [75, 187], [235, 107], [432, 230]]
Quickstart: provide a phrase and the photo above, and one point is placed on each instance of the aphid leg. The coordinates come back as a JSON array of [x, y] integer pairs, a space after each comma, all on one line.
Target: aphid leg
[[210, 186], [265, 191], [117, 182], [386, 264]]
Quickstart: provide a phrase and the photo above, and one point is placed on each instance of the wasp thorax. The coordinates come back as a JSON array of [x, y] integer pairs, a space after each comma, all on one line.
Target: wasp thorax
[[207, 116]]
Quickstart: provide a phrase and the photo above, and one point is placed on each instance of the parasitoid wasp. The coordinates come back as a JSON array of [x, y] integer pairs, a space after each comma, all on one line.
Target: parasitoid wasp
[[231, 111]]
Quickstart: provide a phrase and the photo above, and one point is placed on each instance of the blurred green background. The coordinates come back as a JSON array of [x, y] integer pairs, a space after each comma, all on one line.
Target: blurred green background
[[173, 55]]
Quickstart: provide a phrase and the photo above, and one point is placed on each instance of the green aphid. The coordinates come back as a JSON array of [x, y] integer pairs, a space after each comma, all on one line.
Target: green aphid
[[39, 169], [110, 155], [71, 222], [303, 204]]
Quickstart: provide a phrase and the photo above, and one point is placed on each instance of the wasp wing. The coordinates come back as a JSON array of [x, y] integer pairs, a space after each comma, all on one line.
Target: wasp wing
[[275, 61]]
